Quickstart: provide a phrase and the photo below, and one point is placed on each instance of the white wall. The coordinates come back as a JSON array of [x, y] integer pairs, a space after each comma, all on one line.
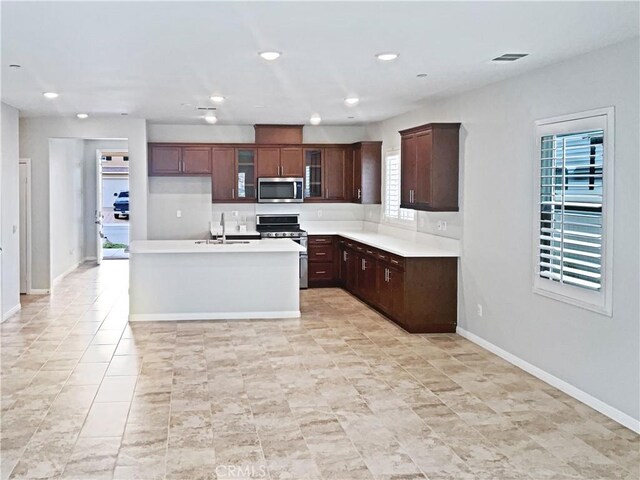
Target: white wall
[[597, 354], [66, 203], [10, 213], [34, 143], [246, 133]]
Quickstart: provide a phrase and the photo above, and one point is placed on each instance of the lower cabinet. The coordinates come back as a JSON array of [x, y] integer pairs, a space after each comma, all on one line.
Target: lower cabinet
[[419, 294], [323, 261]]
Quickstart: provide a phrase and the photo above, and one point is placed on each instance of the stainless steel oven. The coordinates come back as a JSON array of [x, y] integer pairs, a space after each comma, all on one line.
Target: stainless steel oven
[[280, 190], [286, 226]]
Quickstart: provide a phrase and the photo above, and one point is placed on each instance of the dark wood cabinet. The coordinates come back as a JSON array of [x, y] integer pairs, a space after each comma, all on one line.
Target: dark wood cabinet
[[335, 173], [429, 167], [223, 174], [196, 160], [169, 160], [419, 294], [291, 162], [268, 162], [324, 262], [367, 172]]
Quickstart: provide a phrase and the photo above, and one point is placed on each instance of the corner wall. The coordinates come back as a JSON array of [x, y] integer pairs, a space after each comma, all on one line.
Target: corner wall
[[9, 214], [35, 133], [66, 200], [596, 354]]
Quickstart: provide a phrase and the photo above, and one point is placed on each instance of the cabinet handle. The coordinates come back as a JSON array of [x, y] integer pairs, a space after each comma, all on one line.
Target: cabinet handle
[[344, 256], [395, 261], [321, 253], [233, 193], [359, 194], [369, 252], [386, 274], [326, 192], [364, 264], [321, 271]]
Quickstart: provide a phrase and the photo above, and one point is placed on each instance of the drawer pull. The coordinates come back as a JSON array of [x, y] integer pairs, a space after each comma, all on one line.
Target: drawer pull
[[395, 261], [321, 271], [370, 252], [320, 253]]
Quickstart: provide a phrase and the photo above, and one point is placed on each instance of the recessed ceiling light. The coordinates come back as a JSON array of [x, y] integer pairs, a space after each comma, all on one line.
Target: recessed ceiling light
[[15, 65], [217, 98], [387, 56], [124, 114], [269, 55], [82, 116], [211, 118], [421, 75], [50, 94], [509, 57], [351, 118], [351, 101], [315, 119]]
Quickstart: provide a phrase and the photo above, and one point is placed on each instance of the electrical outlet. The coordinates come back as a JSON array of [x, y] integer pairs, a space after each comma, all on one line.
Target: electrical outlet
[[319, 213], [442, 225], [235, 213], [178, 213], [479, 309]]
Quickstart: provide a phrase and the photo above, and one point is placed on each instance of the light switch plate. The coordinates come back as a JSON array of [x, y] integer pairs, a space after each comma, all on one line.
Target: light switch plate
[[178, 213]]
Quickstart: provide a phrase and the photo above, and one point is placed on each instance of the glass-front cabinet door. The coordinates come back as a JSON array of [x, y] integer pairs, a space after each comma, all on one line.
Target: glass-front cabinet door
[[246, 173], [313, 173]]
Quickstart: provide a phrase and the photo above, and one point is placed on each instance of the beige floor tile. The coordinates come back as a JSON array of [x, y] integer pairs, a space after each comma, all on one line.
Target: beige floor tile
[[117, 389], [106, 420], [340, 393]]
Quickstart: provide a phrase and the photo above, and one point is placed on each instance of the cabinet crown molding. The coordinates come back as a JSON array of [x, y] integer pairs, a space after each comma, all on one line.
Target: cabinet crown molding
[[430, 126]]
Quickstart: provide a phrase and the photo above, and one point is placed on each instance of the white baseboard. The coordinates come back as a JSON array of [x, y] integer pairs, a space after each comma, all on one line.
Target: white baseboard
[[39, 291], [89, 259], [65, 273], [12, 311], [604, 408], [162, 317]]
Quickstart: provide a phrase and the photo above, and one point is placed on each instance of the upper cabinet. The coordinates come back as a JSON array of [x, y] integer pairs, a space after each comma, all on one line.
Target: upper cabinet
[[327, 174], [170, 160], [367, 172], [280, 162], [429, 167], [335, 173], [233, 175]]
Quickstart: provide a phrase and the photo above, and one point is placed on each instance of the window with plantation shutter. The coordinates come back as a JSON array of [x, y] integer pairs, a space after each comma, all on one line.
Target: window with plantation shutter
[[573, 234], [392, 211]]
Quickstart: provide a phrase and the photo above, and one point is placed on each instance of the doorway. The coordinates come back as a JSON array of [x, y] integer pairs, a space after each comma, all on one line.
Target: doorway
[[112, 204]]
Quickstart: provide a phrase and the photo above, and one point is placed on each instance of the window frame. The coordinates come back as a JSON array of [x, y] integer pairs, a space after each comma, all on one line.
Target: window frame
[[409, 224], [597, 301]]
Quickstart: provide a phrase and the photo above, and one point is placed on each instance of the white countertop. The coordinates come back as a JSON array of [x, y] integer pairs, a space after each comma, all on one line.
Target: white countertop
[[428, 246], [403, 248], [280, 245]]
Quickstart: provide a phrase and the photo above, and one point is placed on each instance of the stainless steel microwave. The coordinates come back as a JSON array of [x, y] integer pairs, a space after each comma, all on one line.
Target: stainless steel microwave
[[280, 190]]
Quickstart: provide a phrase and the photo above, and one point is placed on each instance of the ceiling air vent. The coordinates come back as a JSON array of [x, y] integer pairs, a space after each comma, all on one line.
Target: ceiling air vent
[[509, 57], [206, 109]]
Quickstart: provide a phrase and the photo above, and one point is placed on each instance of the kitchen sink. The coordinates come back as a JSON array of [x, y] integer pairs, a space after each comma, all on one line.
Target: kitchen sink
[[219, 242]]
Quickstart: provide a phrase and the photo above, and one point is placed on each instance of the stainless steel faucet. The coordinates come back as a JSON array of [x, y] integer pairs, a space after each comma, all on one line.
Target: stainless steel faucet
[[224, 235]]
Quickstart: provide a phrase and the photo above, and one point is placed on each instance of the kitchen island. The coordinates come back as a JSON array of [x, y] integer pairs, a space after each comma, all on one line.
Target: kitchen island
[[189, 280]]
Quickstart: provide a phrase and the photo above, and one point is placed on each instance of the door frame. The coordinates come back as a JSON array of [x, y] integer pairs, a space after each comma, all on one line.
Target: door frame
[[27, 232]]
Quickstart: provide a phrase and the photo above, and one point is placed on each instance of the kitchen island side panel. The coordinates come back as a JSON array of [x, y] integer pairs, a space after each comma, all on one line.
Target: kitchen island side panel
[[214, 286]]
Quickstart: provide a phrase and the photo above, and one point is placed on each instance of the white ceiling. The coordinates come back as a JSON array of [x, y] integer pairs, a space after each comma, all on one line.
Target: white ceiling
[[148, 59]]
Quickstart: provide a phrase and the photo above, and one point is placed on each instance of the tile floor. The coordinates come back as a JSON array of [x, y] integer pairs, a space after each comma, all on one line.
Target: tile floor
[[340, 394]]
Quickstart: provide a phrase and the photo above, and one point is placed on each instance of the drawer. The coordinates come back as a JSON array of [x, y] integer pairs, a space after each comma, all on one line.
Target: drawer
[[320, 271], [396, 261], [320, 240], [320, 253]]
